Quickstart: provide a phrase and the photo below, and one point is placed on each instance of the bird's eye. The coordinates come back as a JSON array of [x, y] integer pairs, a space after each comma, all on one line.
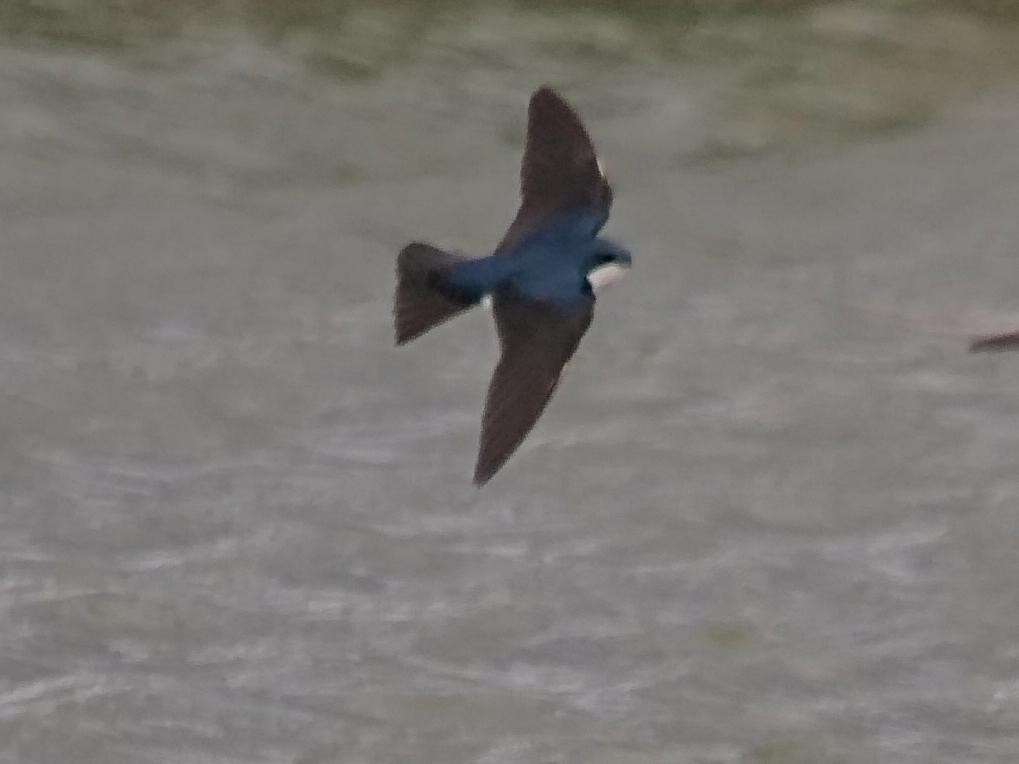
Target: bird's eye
[[604, 259]]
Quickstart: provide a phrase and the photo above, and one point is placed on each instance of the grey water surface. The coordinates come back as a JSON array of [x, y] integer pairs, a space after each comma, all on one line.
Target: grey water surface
[[771, 517]]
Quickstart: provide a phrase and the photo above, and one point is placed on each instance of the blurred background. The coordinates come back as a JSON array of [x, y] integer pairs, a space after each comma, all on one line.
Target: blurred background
[[769, 518]]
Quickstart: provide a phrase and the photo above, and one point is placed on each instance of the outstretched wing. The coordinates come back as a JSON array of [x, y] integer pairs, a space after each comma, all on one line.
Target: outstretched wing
[[560, 170], [537, 340]]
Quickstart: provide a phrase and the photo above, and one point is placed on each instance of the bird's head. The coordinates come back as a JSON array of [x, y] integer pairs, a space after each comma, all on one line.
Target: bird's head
[[606, 263]]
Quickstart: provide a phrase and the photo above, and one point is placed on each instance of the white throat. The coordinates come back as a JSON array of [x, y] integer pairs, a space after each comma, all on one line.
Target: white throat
[[606, 274]]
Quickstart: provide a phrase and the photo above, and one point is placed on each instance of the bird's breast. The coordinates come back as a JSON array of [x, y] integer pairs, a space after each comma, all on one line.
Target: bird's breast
[[602, 276]]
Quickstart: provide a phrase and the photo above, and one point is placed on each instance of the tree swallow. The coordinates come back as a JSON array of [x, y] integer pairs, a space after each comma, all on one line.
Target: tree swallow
[[541, 278]]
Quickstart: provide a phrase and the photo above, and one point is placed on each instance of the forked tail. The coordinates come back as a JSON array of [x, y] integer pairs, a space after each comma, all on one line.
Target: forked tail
[[424, 298]]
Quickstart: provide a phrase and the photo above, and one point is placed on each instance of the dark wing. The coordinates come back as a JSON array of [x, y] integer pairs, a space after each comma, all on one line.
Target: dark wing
[[537, 340], [560, 171]]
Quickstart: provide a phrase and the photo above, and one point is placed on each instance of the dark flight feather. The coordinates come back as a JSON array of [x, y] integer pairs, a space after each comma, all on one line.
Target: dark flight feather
[[559, 172], [537, 341]]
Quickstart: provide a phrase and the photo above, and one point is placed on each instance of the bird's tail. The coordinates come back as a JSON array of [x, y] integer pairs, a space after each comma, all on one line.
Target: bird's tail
[[424, 296], [995, 343]]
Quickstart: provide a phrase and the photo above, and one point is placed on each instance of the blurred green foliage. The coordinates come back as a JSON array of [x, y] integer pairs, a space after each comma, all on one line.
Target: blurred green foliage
[[115, 23]]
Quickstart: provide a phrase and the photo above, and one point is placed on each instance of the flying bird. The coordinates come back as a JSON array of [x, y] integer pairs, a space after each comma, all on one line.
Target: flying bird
[[995, 343], [541, 277]]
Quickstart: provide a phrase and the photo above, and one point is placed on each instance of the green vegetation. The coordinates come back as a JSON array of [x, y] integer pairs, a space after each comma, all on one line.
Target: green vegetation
[[114, 23]]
